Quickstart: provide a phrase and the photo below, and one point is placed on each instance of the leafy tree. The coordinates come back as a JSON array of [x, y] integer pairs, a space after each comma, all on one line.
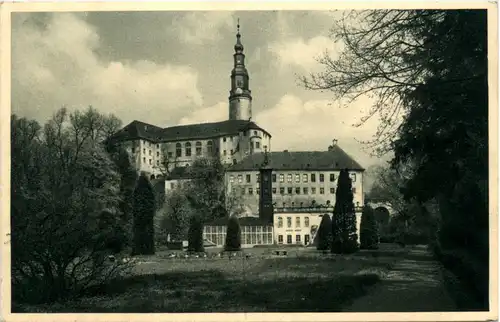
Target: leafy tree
[[368, 229], [344, 217], [64, 207], [144, 212], [175, 214], [195, 234], [427, 72], [324, 235], [233, 236]]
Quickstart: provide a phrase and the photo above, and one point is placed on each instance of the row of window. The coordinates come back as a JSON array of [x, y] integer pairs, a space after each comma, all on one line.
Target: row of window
[[151, 161], [289, 222], [289, 177], [149, 144], [291, 190], [298, 239]]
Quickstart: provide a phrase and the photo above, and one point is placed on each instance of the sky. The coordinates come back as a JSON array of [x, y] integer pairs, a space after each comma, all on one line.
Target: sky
[[168, 68]]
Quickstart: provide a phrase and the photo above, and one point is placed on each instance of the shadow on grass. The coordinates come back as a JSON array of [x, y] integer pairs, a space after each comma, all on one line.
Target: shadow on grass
[[212, 291]]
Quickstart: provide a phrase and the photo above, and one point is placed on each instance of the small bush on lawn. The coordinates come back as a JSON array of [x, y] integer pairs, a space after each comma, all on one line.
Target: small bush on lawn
[[233, 236]]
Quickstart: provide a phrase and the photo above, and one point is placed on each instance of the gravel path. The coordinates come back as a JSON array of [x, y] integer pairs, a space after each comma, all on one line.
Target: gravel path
[[414, 284]]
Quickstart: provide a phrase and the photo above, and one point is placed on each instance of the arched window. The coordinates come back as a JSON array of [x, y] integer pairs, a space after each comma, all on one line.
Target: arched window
[[280, 222], [178, 150], [188, 149], [210, 147], [152, 177], [198, 148]]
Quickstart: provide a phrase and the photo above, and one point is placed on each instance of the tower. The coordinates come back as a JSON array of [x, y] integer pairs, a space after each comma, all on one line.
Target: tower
[[240, 96], [266, 209]]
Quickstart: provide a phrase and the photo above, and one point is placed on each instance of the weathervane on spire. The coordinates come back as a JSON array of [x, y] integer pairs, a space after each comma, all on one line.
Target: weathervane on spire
[[238, 25]]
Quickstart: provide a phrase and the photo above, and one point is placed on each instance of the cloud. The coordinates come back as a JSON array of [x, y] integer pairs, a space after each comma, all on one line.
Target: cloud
[[200, 27], [55, 65], [312, 125], [216, 113], [300, 52]]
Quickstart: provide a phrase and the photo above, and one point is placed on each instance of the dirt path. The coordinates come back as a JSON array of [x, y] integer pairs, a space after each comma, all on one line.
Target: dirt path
[[413, 285]]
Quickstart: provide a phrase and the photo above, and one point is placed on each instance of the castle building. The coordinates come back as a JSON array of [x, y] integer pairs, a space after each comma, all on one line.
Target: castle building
[[283, 194], [158, 151]]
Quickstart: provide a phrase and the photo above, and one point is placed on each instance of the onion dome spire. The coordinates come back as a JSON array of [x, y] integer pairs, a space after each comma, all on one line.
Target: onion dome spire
[[238, 48]]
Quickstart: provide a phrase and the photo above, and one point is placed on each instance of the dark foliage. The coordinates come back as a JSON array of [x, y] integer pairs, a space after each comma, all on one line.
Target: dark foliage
[[324, 235], [345, 239], [144, 211], [233, 237], [195, 234], [368, 229]]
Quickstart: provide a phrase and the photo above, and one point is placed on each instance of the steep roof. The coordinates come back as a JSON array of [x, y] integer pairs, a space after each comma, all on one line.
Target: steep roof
[[141, 130], [333, 159]]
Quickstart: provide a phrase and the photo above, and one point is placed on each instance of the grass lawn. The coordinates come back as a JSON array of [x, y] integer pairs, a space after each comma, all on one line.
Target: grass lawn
[[303, 281]]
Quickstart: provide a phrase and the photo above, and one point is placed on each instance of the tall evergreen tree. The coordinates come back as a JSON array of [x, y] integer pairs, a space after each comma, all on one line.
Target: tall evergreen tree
[[144, 211], [195, 234], [233, 237], [368, 229], [324, 235], [344, 217]]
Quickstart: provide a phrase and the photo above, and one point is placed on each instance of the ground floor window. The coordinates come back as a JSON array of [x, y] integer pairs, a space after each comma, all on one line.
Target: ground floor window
[[306, 239], [215, 234], [280, 239], [288, 239], [297, 238], [256, 235]]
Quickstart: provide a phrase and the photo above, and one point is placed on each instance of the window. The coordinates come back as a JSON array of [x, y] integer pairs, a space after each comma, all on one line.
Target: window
[[149, 143], [231, 152], [170, 155], [210, 147], [198, 148], [288, 222], [353, 177], [157, 154], [144, 160], [297, 178], [223, 139], [301, 204], [321, 177], [172, 186], [293, 204], [313, 190], [144, 151], [250, 191], [280, 239], [305, 190], [304, 178], [258, 177], [254, 132], [157, 146], [297, 190], [224, 152], [240, 178], [274, 190], [321, 191], [150, 162], [353, 190], [149, 152], [332, 177], [297, 222], [284, 204], [289, 178], [178, 150], [306, 221], [248, 178], [274, 178], [242, 191], [289, 190], [133, 150], [257, 145], [288, 239], [257, 190], [231, 179], [332, 190], [157, 162], [235, 161], [282, 191], [188, 149], [280, 222], [313, 177], [282, 178], [297, 238]]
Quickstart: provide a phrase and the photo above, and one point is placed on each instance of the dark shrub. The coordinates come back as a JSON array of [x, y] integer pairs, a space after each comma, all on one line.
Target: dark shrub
[[233, 236], [324, 235], [144, 211], [368, 229]]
